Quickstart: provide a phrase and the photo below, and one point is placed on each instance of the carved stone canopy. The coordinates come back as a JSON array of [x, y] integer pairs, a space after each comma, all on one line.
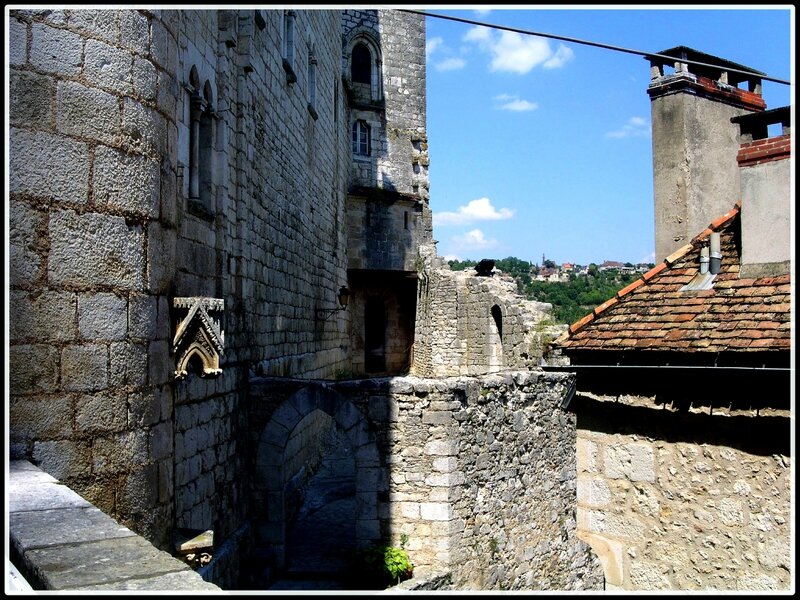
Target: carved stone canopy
[[198, 336]]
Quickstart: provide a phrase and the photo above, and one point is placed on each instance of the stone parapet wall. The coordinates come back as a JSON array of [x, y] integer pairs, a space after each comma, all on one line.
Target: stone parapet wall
[[469, 325], [686, 501]]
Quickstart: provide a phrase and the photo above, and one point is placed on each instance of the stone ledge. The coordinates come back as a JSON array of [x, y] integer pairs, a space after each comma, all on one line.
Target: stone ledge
[[59, 541]]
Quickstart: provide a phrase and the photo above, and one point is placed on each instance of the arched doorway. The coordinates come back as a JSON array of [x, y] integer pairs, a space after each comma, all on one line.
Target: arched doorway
[[315, 486]]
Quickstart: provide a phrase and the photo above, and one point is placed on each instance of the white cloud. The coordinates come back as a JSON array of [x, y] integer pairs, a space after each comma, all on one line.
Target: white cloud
[[514, 103], [510, 51], [562, 56], [650, 258], [431, 45], [480, 209], [635, 127], [478, 34], [450, 64], [471, 242], [483, 11]]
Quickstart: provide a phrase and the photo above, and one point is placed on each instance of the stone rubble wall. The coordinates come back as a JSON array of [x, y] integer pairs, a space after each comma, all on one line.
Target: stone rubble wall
[[670, 503], [457, 333], [477, 472]]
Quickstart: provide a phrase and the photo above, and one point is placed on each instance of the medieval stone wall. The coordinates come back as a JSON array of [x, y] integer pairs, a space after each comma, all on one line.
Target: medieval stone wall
[[469, 324], [276, 185], [476, 473], [91, 154], [684, 501], [105, 230], [398, 117]]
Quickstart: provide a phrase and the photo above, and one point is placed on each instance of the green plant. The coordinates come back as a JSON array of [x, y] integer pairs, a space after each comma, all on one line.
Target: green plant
[[397, 563], [382, 566], [493, 546]]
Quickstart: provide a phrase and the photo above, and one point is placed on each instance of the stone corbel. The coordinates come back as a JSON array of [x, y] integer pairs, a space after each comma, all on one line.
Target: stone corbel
[[198, 335]]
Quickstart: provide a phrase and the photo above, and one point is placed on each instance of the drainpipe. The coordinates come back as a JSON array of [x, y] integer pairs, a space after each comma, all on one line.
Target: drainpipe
[[704, 256], [715, 253]]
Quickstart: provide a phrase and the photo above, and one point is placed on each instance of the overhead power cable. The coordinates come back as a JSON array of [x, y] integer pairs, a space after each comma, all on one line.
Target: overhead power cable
[[595, 44]]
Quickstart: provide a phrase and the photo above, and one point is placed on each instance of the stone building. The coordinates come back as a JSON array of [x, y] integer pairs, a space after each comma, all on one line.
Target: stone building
[[215, 215], [683, 378]]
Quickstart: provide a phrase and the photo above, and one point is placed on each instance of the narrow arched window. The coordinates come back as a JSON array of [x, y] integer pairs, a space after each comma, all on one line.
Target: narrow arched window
[[361, 64], [497, 315], [361, 138], [288, 46], [206, 151], [312, 80], [195, 111], [288, 36]]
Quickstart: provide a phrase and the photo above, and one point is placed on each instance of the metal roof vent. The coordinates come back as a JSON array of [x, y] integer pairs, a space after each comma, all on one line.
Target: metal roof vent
[[704, 278]]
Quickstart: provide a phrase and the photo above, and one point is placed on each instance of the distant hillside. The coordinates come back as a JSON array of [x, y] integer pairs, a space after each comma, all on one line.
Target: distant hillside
[[573, 298]]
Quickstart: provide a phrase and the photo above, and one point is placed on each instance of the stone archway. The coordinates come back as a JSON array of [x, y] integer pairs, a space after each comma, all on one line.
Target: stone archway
[[312, 421]]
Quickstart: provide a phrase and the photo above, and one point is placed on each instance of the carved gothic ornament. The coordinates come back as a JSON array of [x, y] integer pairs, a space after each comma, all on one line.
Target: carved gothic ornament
[[198, 336]]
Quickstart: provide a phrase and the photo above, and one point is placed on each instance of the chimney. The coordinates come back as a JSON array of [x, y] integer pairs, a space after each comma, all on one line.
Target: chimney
[[765, 174], [695, 178]]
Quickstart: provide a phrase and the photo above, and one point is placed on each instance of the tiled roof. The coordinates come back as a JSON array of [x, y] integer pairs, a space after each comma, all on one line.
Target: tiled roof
[[653, 313]]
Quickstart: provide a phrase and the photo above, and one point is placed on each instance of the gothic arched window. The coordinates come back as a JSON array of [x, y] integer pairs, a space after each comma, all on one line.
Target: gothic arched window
[[361, 64]]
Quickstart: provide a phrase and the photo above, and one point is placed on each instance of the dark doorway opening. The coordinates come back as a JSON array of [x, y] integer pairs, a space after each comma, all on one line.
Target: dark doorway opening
[[374, 336]]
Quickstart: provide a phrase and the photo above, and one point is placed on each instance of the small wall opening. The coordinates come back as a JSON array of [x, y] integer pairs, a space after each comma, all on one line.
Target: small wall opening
[[497, 315]]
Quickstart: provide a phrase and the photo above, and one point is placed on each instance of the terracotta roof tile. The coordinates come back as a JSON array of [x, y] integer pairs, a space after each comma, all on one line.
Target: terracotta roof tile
[[654, 313]]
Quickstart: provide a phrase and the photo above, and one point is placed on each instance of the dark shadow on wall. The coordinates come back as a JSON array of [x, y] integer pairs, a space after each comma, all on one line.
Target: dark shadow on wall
[[760, 435], [318, 481]]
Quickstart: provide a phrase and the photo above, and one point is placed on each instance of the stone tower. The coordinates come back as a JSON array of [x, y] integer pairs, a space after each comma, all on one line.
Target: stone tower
[[388, 217], [694, 177]]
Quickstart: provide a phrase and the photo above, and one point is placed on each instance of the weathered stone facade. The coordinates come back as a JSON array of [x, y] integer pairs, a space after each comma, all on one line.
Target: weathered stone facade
[[685, 500]]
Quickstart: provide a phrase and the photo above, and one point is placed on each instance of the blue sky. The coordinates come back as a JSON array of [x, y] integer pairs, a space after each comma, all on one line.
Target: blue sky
[[540, 146]]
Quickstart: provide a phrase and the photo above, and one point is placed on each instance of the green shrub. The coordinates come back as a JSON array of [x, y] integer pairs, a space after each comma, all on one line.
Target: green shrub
[[383, 566]]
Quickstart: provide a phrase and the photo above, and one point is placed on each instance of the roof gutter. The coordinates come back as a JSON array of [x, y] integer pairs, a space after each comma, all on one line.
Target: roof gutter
[[578, 368]]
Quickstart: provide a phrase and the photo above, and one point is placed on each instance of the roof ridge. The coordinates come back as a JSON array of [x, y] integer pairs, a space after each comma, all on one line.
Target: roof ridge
[[670, 260]]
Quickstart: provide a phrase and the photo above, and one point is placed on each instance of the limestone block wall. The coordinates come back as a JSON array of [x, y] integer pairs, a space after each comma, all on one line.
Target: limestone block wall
[[384, 232], [477, 472], [396, 115], [90, 142], [403, 37], [278, 181], [469, 324], [272, 246], [686, 501]]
